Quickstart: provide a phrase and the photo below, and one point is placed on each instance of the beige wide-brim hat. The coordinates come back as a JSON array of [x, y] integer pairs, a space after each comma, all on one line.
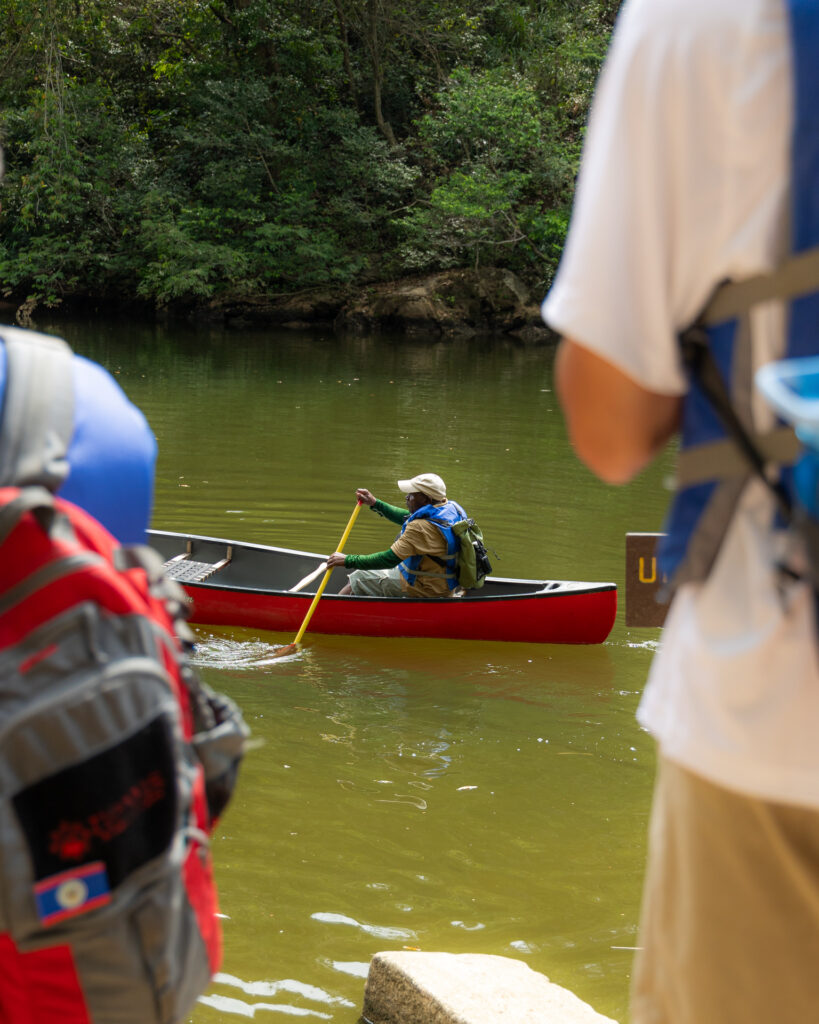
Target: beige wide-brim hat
[[428, 483]]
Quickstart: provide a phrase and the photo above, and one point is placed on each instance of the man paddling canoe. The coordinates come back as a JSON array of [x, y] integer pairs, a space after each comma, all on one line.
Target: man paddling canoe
[[421, 562]]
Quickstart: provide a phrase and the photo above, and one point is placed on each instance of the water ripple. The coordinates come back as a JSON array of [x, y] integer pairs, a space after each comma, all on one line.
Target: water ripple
[[371, 929], [643, 645], [407, 800], [234, 1005], [271, 988], [242, 1009], [225, 653], [355, 968]]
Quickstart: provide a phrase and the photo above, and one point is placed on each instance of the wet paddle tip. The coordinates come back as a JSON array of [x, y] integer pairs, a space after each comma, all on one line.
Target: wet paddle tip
[[282, 652]]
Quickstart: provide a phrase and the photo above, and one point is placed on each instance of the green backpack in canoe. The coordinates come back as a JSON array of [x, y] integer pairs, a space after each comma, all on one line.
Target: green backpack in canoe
[[473, 561]]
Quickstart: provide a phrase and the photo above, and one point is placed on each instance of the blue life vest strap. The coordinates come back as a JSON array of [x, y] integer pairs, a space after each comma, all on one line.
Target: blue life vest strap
[[699, 360], [444, 517]]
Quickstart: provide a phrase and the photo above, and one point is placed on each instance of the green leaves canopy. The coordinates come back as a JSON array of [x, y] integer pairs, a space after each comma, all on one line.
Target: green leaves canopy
[[176, 150]]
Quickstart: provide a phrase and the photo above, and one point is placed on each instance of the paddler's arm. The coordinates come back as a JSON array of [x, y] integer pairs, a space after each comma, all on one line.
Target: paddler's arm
[[378, 560], [391, 512], [615, 425]]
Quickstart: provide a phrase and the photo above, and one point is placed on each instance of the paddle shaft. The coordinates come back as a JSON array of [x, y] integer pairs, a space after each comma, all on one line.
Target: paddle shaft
[[327, 575]]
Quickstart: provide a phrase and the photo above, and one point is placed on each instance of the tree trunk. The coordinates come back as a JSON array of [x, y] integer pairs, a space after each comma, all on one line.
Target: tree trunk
[[375, 48], [345, 47]]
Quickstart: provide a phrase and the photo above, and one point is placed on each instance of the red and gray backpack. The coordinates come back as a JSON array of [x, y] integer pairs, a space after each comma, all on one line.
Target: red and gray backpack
[[115, 761]]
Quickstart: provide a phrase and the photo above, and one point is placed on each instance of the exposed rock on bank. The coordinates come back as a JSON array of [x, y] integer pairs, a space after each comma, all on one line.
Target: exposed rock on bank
[[466, 988], [452, 303]]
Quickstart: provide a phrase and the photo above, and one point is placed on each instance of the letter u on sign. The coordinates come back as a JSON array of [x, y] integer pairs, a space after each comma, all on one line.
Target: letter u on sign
[[643, 581], [642, 575]]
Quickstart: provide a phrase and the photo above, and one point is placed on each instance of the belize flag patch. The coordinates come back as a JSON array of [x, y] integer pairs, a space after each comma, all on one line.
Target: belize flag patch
[[72, 892]]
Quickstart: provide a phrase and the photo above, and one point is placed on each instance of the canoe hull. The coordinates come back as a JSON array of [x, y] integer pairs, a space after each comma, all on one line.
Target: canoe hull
[[528, 611], [576, 618]]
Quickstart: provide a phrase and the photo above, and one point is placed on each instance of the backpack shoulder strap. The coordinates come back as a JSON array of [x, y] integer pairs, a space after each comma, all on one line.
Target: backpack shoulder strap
[[38, 409], [36, 500], [796, 276]]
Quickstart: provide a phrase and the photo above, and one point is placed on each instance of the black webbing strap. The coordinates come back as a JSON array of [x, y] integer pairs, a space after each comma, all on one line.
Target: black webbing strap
[[699, 359]]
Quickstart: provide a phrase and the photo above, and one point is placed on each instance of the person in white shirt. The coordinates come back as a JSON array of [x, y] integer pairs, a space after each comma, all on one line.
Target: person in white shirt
[[686, 182]]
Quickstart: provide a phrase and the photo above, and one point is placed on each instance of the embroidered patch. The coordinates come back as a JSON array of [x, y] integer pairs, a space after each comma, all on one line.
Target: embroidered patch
[[118, 809], [72, 892]]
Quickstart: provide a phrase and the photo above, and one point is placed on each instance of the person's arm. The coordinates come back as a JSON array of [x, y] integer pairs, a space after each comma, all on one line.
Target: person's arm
[[391, 512], [378, 560], [615, 425]]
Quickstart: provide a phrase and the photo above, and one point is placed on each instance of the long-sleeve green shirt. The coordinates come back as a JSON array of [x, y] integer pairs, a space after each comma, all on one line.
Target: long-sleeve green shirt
[[391, 512], [378, 560]]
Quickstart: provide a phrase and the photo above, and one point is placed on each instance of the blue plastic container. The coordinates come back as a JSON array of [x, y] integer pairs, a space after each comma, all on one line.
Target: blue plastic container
[[792, 388]]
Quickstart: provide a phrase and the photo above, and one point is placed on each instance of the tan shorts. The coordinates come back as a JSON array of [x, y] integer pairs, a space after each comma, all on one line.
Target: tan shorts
[[730, 921]]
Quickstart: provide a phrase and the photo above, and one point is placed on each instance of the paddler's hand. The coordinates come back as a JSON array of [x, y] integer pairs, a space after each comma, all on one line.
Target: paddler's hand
[[365, 497], [335, 559]]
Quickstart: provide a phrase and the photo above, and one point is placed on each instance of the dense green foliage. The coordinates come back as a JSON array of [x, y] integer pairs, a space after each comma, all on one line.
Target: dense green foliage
[[180, 149]]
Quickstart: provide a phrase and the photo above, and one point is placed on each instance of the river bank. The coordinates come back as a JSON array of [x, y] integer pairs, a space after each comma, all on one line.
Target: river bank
[[453, 303]]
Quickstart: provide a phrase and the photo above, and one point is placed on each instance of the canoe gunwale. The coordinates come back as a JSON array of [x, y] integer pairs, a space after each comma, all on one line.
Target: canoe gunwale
[[481, 598]]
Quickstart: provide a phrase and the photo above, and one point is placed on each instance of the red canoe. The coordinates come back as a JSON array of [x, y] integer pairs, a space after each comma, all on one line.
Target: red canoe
[[235, 584]]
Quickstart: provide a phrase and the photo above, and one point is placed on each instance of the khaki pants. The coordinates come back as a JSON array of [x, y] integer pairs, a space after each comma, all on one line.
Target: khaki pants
[[377, 583], [730, 921]]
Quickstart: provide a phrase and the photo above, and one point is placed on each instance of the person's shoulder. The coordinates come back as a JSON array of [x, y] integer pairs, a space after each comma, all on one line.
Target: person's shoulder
[[701, 56], [683, 22], [419, 525], [422, 528]]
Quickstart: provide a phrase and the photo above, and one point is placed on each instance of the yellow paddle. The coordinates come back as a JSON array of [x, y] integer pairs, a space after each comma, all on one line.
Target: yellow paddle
[[291, 648]]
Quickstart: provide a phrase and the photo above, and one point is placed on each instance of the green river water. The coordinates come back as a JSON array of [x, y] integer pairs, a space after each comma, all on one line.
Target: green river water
[[447, 796]]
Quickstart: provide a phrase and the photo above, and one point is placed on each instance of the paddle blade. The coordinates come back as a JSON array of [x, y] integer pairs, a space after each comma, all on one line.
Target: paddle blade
[[282, 652]]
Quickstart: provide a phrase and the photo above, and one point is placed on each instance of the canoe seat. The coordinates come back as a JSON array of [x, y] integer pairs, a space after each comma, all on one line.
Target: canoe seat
[[184, 569]]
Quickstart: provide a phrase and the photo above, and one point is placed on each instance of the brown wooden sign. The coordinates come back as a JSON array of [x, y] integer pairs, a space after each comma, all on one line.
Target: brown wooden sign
[[643, 581]]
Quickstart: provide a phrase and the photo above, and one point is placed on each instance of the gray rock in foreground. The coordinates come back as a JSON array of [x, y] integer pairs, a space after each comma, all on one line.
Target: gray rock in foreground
[[410, 987]]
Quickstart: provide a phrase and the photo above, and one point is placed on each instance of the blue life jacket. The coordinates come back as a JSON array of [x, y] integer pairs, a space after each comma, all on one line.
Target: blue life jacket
[[707, 497], [108, 465], [444, 516]]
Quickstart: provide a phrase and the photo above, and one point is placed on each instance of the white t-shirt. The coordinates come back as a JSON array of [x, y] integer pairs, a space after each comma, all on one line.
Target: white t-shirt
[[684, 183]]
